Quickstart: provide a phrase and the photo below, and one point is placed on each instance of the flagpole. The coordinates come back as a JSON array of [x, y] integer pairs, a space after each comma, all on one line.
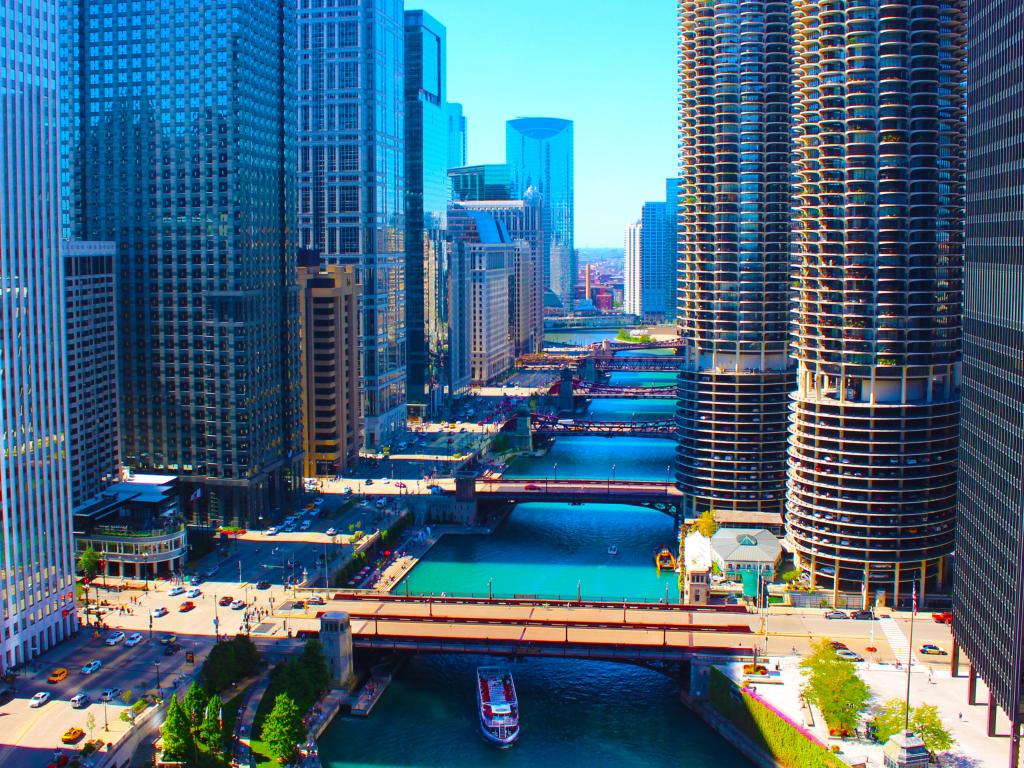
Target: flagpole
[[910, 656]]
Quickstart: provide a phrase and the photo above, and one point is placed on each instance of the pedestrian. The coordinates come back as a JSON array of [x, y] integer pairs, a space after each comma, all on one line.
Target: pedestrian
[[960, 717]]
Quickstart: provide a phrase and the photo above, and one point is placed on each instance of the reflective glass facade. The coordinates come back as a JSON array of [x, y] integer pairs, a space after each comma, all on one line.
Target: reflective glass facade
[[427, 192], [182, 131], [351, 178], [733, 256], [36, 561], [878, 126], [539, 151], [988, 591]]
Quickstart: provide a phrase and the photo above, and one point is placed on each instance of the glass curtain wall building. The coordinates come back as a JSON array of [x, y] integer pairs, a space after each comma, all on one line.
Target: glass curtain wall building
[[37, 569], [733, 256], [427, 192], [183, 133], [539, 152], [351, 178], [988, 591], [877, 258]]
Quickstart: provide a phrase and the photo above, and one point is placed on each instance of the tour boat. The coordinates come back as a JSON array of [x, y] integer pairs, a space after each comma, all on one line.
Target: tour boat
[[499, 709], [613, 550]]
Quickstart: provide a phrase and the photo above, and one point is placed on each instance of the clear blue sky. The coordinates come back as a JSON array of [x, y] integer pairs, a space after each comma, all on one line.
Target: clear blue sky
[[608, 65]]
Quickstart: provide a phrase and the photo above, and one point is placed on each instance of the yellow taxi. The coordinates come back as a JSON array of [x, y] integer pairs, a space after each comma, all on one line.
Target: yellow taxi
[[57, 675], [71, 735]]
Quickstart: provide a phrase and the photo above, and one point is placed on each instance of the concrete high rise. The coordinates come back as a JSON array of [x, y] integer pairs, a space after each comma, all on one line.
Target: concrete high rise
[[988, 588], [650, 265], [351, 177], [539, 152], [90, 312], [427, 192], [632, 272], [37, 578], [733, 254], [182, 156], [877, 267]]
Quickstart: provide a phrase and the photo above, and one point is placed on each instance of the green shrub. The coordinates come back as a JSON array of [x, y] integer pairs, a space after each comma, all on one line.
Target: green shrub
[[785, 741]]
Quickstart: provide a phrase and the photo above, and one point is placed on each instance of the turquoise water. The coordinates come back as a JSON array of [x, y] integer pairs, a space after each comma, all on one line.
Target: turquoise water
[[573, 713]]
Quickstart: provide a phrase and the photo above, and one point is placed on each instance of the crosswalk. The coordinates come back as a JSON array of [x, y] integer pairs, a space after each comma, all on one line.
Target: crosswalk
[[898, 641]]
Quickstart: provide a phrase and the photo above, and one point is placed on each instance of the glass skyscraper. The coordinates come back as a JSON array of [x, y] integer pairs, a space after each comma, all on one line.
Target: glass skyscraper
[[878, 126], [37, 568], [427, 192], [539, 151], [181, 122], [351, 178], [988, 590], [733, 256]]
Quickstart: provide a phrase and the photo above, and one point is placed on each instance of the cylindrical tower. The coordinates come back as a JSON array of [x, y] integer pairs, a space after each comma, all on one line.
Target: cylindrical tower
[[734, 222], [878, 126]]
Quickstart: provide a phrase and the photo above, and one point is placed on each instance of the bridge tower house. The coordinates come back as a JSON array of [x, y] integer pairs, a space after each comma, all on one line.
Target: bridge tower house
[[566, 402], [522, 437], [336, 639]]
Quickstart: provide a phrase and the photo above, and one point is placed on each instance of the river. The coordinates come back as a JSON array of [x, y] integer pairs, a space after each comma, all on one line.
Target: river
[[573, 712]]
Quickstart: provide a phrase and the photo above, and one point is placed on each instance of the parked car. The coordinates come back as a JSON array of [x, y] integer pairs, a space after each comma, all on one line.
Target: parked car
[[133, 639], [175, 591], [332, 531], [158, 612], [272, 530], [224, 601], [194, 593], [929, 649], [109, 694], [836, 645], [943, 618], [846, 653], [57, 675], [91, 667], [316, 600], [114, 637], [532, 487], [836, 615], [862, 615], [80, 700], [39, 699]]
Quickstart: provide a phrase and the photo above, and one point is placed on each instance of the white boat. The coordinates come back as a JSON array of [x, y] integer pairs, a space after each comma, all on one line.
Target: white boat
[[613, 550], [499, 708]]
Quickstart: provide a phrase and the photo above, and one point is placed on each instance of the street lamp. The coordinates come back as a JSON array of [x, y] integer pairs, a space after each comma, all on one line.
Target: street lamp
[[555, 472], [157, 664], [668, 473], [490, 589]]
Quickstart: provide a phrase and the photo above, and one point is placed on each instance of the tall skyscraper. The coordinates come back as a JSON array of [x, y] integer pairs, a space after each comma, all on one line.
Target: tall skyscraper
[[427, 192], [38, 571], [458, 139], [351, 178], [988, 590], [539, 151], [182, 125], [491, 181], [877, 265], [632, 272], [733, 257], [90, 338], [671, 246]]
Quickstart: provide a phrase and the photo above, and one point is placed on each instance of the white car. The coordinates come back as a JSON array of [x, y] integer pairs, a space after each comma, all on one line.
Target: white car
[[109, 694], [332, 531], [272, 530], [175, 591], [114, 637], [194, 592], [133, 639], [158, 612], [91, 667], [237, 605], [39, 699], [80, 701]]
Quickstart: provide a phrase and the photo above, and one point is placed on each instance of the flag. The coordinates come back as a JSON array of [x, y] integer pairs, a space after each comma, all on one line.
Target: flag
[[196, 495], [915, 599], [220, 716]]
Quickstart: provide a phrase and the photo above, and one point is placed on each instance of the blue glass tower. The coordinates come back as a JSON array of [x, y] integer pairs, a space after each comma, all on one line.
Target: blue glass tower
[[182, 131], [539, 151], [733, 255], [36, 565]]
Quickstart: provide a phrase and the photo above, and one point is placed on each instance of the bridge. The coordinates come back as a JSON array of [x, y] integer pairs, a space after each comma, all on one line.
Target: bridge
[[624, 631], [583, 388], [651, 363], [543, 425]]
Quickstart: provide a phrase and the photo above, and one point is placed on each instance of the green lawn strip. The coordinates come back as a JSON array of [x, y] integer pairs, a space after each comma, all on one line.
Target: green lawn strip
[[230, 715], [260, 752]]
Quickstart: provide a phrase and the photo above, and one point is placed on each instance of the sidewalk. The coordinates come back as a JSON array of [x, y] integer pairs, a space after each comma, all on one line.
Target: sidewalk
[[242, 754]]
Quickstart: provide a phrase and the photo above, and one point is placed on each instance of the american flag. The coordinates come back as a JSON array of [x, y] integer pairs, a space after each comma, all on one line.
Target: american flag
[[915, 598]]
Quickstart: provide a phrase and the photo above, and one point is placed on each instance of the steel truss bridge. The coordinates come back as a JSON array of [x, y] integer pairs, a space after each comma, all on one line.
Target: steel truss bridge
[[651, 363], [552, 426], [583, 388]]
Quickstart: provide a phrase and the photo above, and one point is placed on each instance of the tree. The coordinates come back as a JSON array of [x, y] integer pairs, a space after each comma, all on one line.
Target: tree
[[126, 696], [834, 686], [90, 723], [89, 563], [889, 720], [176, 733], [316, 666], [282, 730], [706, 524], [195, 704], [211, 732]]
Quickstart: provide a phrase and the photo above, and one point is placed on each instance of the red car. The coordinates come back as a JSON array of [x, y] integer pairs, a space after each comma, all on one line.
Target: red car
[[226, 600], [943, 618], [532, 487], [186, 606]]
